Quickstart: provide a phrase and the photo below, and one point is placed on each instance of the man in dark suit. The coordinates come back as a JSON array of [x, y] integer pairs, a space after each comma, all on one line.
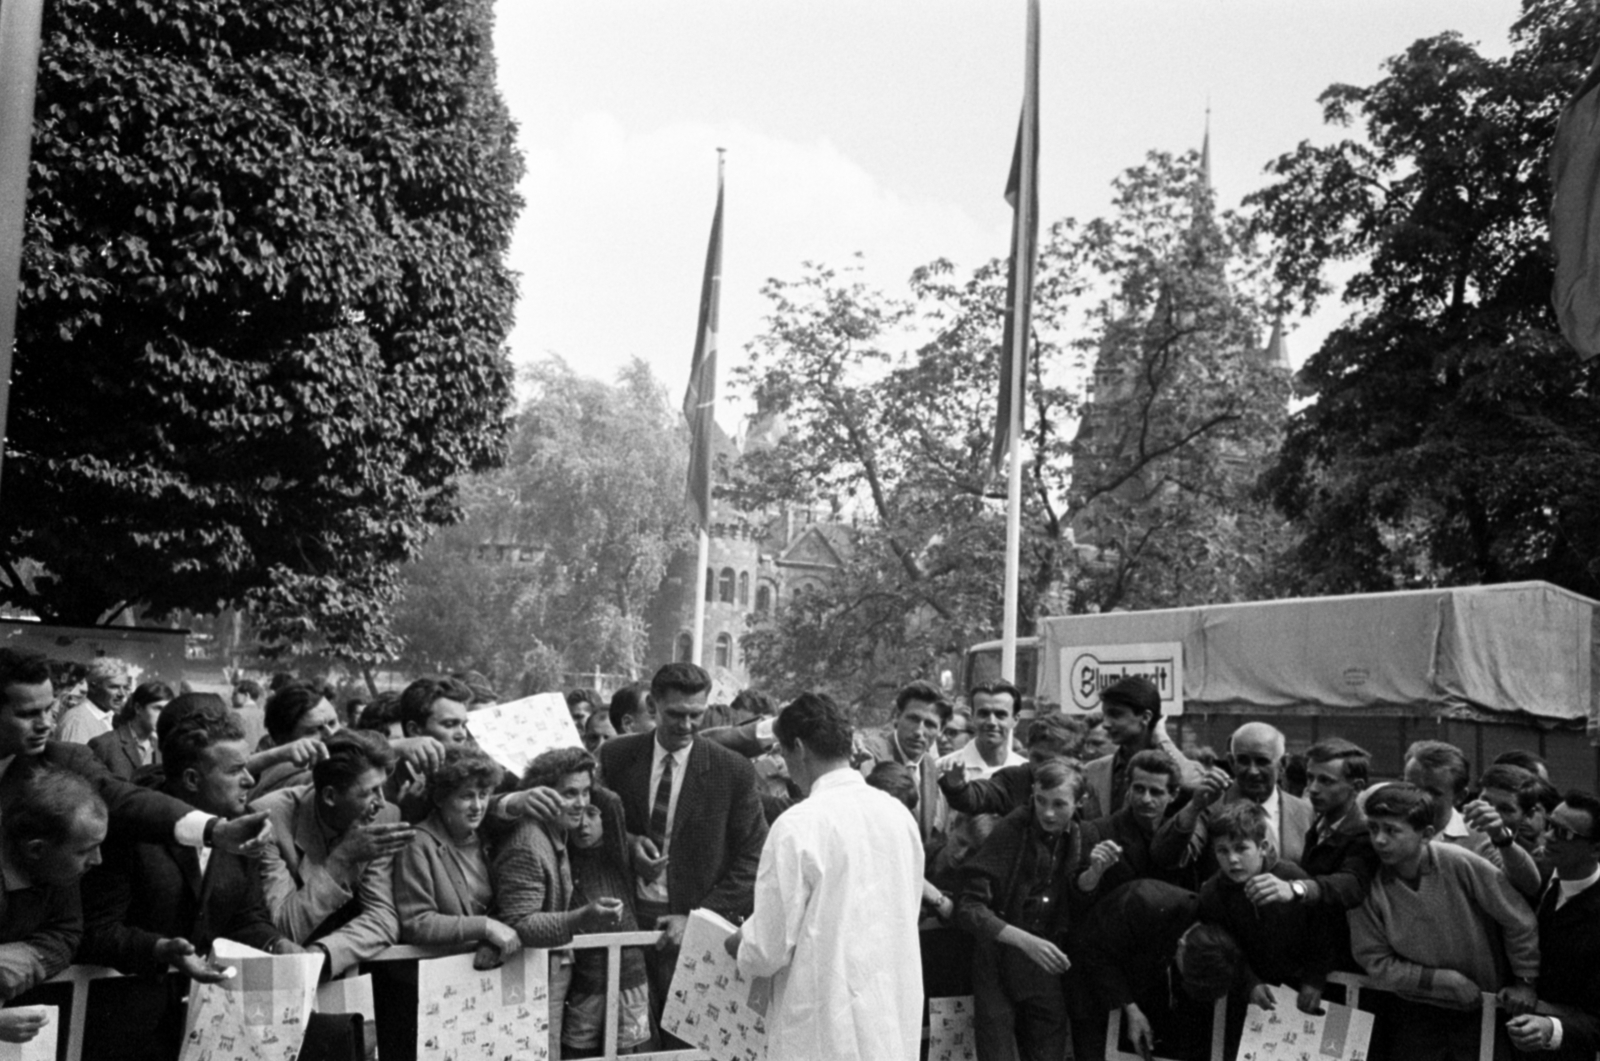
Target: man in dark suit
[[153, 907], [1567, 1025], [138, 813], [1258, 753], [695, 826]]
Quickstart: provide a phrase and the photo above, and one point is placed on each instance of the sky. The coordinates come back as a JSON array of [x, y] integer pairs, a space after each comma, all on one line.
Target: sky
[[882, 128]]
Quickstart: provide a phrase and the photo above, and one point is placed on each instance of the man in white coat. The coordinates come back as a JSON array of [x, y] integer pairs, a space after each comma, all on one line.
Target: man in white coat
[[836, 901]]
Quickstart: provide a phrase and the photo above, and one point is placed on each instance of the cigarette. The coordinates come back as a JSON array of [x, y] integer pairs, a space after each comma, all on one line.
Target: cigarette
[[229, 972]]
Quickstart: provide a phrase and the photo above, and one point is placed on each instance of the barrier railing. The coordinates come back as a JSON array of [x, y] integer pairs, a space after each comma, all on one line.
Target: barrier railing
[[81, 976]]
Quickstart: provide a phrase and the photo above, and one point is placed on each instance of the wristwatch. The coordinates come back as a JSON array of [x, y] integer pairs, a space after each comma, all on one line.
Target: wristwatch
[[1298, 887]]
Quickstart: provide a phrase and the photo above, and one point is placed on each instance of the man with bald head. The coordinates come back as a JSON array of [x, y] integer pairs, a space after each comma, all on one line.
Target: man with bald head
[[1258, 753]]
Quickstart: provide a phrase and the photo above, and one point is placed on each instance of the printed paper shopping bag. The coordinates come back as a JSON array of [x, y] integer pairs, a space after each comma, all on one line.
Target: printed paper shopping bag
[[464, 1012], [711, 1004], [258, 1014]]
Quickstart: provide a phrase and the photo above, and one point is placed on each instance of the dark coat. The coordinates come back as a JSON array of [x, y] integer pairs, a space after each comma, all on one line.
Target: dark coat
[[137, 813], [1569, 969], [143, 893], [717, 832], [39, 931], [119, 750]]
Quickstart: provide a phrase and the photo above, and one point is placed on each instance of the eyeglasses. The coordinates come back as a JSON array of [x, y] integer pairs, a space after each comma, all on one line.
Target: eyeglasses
[[1565, 832]]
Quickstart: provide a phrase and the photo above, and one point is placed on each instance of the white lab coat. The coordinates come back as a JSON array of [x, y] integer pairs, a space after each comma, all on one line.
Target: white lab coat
[[835, 924]]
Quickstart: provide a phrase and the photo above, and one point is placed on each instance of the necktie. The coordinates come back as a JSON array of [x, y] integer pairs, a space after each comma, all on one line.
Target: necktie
[[658, 812]]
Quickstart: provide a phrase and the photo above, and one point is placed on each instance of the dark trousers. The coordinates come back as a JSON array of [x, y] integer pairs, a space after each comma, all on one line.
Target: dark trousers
[[1420, 1032], [659, 965], [1020, 1010]]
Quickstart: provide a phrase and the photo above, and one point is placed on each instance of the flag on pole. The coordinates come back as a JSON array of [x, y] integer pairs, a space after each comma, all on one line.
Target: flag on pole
[[700, 400], [1022, 192], [1575, 217]]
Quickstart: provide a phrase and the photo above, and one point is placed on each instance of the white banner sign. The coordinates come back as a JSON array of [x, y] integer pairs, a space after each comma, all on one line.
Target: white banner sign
[[1088, 670]]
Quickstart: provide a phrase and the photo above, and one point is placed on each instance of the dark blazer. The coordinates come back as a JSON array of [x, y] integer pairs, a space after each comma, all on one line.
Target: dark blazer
[[119, 750], [137, 813], [1569, 970], [143, 893], [39, 930], [719, 828]]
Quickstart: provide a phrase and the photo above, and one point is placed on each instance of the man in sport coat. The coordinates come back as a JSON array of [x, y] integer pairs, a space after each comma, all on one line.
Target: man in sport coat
[[693, 814]]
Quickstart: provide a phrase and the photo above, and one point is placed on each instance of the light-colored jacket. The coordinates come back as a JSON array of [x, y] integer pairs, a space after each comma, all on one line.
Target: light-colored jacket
[[303, 890], [435, 901], [1097, 772]]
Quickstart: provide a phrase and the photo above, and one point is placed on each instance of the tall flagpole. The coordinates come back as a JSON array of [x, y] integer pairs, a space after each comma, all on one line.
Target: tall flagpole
[[19, 70], [699, 407], [1022, 250]]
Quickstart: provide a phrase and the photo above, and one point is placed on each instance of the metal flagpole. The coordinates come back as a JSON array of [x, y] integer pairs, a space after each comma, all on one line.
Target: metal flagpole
[[697, 653], [1022, 245], [19, 73]]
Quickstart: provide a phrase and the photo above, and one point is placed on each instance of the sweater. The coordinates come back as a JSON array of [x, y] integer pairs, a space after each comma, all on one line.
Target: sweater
[[1462, 915]]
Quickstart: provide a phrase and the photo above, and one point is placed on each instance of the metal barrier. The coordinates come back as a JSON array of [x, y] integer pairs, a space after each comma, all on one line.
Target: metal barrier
[[81, 976]]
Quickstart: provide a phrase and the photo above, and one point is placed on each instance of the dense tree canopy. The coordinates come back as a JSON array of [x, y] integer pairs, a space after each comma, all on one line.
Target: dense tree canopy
[[263, 309], [889, 405], [1454, 436], [562, 550]]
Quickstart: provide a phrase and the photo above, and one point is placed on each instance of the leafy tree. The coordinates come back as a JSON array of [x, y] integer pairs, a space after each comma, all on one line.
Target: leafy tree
[[1453, 434], [263, 308], [563, 549], [1187, 407], [890, 404]]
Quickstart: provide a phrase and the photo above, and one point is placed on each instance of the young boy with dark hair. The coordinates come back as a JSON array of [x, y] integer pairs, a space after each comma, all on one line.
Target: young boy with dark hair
[[1283, 943], [1439, 927]]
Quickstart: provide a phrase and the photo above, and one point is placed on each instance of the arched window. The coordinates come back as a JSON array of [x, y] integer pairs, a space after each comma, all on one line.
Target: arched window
[[744, 589], [725, 586], [763, 600], [724, 651], [711, 585], [683, 648]]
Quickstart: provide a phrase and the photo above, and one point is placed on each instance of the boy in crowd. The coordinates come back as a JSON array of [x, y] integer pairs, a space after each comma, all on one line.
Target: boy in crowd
[[1424, 931], [1283, 943], [1015, 901], [1143, 952]]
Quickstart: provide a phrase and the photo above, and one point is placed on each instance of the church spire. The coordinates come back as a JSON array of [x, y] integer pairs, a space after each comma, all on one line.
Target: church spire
[[1205, 151]]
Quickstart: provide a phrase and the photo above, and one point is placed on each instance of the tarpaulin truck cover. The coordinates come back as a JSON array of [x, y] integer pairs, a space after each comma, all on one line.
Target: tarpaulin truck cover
[[1522, 648]]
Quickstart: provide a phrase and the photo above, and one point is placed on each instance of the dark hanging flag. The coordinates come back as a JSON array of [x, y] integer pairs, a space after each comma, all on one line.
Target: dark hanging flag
[[700, 400], [1022, 192], [1575, 217]]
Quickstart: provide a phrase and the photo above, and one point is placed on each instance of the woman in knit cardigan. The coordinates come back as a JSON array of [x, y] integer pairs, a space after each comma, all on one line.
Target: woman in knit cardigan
[[533, 876], [443, 887]]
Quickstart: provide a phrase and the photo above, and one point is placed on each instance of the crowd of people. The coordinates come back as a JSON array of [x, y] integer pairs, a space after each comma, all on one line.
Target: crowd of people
[[1060, 869]]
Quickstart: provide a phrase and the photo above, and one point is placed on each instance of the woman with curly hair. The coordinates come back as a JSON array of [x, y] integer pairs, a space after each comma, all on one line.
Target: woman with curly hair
[[443, 884]]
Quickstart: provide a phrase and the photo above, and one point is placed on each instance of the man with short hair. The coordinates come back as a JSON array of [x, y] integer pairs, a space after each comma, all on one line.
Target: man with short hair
[[247, 704], [1117, 847], [110, 684], [54, 824], [1258, 752], [150, 908], [835, 907], [694, 820], [1569, 939], [994, 716], [911, 739], [1338, 857], [327, 874], [597, 730], [1443, 771], [26, 748], [436, 707], [1130, 711], [630, 709]]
